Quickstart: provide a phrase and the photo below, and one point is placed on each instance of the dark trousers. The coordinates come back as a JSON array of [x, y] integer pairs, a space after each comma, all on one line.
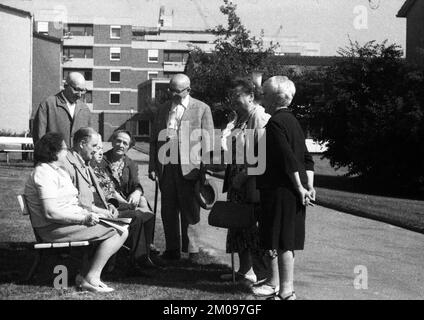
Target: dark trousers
[[140, 232], [177, 197]]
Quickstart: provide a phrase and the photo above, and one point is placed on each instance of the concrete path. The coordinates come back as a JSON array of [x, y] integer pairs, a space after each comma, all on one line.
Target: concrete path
[[339, 248]]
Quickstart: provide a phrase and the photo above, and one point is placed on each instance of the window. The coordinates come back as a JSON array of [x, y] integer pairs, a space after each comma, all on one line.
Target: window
[[115, 75], [115, 54], [152, 75], [114, 98], [78, 52], [175, 56], [87, 73], [115, 32], [88, 97], [153, 56], [43, 27], [78, 30]]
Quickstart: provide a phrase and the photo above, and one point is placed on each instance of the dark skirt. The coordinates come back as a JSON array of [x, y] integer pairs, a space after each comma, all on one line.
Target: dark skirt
[[282, 222]]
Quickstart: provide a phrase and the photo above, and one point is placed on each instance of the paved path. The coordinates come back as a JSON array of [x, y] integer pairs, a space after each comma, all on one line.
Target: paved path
[[336, 244]]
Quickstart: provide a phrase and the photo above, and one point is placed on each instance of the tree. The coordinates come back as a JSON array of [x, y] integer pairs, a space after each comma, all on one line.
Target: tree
[[371, 111], [236, 53]]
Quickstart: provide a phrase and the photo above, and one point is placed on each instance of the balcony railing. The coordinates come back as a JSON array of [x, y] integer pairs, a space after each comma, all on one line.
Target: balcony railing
[[170, 66]]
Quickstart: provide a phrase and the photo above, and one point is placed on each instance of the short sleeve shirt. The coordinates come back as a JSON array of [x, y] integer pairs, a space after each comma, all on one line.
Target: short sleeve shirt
[[50, 182]]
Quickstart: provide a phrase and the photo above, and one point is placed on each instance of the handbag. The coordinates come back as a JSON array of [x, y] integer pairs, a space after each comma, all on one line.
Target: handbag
[[231, 215]]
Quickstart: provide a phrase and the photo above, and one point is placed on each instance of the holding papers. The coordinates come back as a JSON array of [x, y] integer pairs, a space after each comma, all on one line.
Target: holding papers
[[120, 224]]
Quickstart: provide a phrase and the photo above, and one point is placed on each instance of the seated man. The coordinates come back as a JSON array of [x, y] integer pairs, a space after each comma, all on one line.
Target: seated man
[[91, 195]]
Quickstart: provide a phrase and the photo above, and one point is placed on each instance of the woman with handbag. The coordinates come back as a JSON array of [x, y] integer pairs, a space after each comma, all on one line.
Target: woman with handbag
[[240, 187]]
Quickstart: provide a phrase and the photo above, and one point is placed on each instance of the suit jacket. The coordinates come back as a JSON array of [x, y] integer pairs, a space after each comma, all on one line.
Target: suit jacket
[[286, 152], [199, 116], [79, 176], [129, 180], [53, 115]]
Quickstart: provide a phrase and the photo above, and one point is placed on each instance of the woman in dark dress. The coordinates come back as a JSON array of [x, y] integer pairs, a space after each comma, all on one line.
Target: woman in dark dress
[[286, 188], [118, 177]]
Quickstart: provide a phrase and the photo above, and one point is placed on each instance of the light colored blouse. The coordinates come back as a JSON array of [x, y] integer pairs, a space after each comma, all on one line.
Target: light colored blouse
[[48, 181]]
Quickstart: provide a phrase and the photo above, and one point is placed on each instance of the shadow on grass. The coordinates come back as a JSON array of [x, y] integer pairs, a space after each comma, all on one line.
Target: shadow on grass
[[17, 259], [184, 274], [361, 186]]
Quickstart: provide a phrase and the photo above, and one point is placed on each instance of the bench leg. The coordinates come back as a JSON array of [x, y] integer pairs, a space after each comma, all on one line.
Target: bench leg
[[34, 266]]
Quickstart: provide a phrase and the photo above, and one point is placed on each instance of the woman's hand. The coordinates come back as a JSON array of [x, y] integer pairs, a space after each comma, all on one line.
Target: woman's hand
[[305, 196], [91, 219], [312, 192], [134, 198], [113, 211]]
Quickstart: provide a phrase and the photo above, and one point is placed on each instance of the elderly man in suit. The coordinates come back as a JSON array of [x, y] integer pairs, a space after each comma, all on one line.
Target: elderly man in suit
[[182, 134], [64, 112], [91, 196]]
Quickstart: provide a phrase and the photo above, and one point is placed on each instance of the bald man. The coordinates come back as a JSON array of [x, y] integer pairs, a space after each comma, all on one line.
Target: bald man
[[64, 112], [174, 130]]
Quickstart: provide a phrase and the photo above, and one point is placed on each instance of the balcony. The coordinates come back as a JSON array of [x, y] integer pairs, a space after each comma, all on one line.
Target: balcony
[[78, 63], [80, 41], [169, 66]]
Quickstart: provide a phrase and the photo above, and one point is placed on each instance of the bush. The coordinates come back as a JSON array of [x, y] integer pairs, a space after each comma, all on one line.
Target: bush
[[371, 113]]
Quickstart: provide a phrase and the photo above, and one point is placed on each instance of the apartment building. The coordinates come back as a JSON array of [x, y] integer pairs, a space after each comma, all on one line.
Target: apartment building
[[116, 58]]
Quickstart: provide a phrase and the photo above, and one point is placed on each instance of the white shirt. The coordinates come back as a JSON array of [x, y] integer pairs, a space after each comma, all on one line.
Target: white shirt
[[71, 106], [48, 181], [175, 115]]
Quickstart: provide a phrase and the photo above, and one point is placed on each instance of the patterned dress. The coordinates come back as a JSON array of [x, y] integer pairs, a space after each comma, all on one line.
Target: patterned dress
[[242, 239]]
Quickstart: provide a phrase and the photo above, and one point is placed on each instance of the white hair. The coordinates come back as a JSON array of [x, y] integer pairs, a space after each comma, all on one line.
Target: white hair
[[281, 88]]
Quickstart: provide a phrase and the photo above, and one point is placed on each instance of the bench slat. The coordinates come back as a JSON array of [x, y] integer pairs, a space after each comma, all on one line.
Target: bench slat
[[42, 246], [80, 244]]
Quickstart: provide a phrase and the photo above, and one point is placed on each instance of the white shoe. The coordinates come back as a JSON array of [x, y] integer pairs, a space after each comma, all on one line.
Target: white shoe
[[239, 277], [265, 290]]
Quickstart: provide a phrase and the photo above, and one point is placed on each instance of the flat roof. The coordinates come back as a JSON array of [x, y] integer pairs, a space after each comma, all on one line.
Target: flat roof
[[16, 10]]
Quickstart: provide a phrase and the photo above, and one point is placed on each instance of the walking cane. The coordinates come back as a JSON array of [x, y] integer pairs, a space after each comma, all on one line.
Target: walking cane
[[154, 210]]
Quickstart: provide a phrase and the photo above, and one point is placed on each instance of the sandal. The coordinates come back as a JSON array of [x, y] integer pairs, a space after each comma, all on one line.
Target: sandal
[[291, 296]]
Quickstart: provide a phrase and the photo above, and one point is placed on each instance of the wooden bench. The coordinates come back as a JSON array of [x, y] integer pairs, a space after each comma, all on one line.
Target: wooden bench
[[40, 247]]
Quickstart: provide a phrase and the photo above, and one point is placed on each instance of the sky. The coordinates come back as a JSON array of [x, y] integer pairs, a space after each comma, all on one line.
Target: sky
[[329, 22]]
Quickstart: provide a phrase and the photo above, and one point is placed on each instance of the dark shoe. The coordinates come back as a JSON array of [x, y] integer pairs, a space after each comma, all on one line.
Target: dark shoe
[[171, 255], [194, 257]]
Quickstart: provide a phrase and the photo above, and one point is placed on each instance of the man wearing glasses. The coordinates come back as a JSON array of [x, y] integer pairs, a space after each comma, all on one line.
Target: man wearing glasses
[[174, 129], [64, 112]]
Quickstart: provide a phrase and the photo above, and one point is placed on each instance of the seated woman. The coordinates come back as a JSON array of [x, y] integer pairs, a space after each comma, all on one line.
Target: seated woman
[[57, 217], [119, 180]]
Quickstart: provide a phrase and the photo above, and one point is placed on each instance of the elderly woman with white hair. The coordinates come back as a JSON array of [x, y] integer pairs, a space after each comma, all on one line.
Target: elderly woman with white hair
[[286, 188]]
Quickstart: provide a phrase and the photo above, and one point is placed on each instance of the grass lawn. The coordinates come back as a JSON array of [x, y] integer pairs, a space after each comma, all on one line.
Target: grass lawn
[[177, 281], [348, 194]]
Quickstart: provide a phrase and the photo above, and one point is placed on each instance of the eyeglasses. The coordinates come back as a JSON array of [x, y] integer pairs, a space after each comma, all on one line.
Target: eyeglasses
[[82, 91], [178, 91]]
